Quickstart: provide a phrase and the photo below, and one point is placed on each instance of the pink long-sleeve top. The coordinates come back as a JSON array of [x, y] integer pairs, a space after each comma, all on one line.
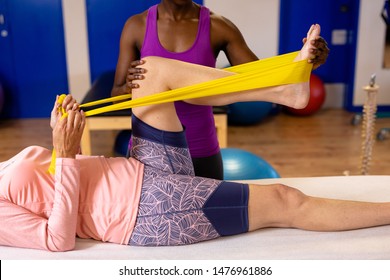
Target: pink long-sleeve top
[[89, 197]]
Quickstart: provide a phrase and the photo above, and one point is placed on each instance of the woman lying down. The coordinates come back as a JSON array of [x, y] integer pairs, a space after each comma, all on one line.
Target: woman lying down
[[153, 198]]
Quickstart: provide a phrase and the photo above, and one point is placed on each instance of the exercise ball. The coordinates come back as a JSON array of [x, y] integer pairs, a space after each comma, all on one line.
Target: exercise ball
[[242, 165], [2, 97], [316, 100], [122, 143], [248, 113]]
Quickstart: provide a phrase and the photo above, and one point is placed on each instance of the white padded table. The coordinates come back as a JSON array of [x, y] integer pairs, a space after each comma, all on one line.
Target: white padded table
[[270, 244]]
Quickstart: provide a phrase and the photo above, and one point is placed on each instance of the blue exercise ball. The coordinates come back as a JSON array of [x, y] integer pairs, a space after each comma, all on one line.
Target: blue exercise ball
[[242, 165], [248, 113], [122, 142]]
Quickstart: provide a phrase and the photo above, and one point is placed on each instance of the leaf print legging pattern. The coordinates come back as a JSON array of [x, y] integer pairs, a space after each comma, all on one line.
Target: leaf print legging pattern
[[175, 207], [170, 210]]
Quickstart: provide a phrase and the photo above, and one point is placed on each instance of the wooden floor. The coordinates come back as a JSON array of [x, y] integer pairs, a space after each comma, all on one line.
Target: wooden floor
[[325, 144]]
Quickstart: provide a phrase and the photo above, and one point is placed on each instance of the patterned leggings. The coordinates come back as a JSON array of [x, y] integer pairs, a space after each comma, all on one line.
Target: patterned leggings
[[172, 202], [170, 211]]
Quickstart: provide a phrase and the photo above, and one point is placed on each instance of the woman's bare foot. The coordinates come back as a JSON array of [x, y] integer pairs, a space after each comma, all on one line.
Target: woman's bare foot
[[306, 52], [299, 94]]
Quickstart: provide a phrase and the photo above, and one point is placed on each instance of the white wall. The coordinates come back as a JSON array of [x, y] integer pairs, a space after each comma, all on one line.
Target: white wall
[[370, 49], [77, 52], [258, 21]]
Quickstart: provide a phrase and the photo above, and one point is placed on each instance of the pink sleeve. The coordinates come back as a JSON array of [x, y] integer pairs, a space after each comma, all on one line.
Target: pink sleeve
[[22, 228]]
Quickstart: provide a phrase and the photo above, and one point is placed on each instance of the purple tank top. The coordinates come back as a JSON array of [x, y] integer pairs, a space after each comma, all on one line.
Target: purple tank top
[[198, 120]]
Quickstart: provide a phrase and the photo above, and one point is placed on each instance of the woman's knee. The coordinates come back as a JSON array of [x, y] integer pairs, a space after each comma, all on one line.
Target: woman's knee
[[289, 203], [275, 205], [289, 197], [155, 79]]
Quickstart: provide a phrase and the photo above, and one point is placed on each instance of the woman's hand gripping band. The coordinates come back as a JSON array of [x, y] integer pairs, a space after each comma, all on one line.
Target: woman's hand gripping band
[[68, 123]]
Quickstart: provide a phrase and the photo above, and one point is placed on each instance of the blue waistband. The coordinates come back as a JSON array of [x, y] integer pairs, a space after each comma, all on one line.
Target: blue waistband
[[145, 131]]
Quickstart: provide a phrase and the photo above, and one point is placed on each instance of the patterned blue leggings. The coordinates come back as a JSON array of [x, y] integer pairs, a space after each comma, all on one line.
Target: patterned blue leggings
[[173, 204]]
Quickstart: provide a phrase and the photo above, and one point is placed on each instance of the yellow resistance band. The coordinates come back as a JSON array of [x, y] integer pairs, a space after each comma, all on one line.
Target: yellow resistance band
[[273, 71]]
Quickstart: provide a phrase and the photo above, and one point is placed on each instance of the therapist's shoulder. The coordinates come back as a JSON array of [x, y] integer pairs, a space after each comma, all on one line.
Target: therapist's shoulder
[[135, 24]]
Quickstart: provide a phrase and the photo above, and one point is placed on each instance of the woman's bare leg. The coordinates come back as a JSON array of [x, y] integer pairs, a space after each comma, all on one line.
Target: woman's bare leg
[[282, 206], [164, 74]]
